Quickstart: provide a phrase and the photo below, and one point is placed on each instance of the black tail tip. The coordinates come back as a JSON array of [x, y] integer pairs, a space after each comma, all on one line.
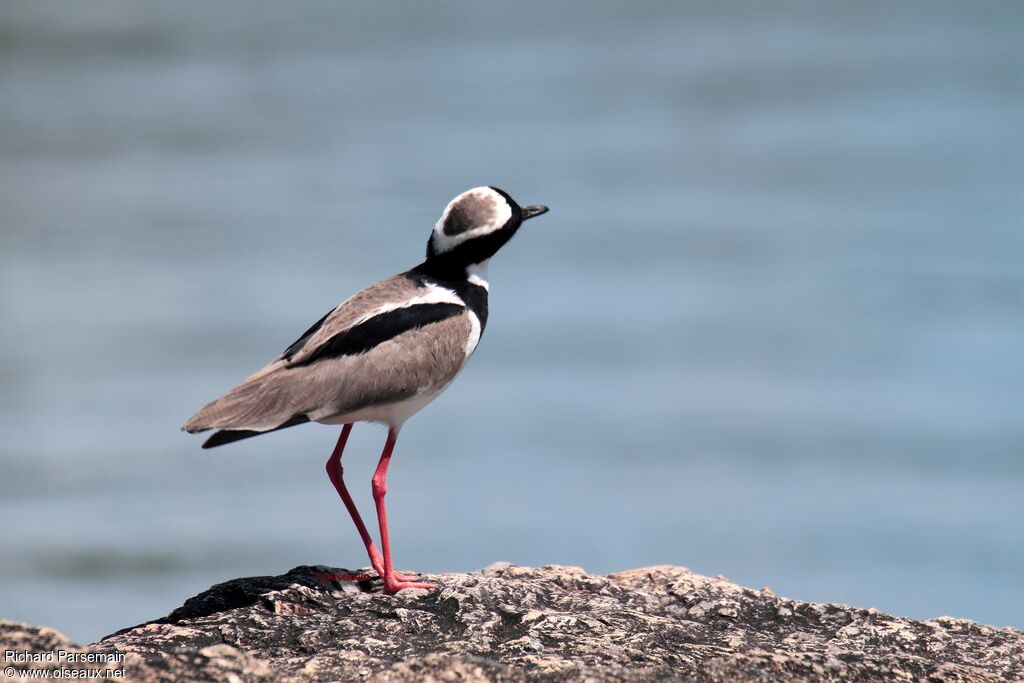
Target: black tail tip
[[228, 436]]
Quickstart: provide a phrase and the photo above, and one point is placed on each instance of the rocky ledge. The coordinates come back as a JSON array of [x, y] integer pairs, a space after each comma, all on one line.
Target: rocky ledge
[[508, 623]]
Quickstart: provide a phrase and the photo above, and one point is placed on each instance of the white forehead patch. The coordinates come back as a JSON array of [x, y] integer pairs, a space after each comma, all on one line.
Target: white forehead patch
[[475, 213]]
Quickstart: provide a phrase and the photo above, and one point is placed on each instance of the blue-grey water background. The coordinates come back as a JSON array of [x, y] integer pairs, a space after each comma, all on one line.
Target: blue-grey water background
[[772, 327]]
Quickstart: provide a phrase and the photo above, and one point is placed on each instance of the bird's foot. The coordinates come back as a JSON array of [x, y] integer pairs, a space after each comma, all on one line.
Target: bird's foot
[[399, 582], [397, 576]]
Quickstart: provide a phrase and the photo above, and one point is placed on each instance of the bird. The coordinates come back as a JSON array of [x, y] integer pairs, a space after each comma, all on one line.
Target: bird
[[381, 355]]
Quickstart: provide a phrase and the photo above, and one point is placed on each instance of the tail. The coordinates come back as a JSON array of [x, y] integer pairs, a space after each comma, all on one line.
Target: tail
[[256, 406]]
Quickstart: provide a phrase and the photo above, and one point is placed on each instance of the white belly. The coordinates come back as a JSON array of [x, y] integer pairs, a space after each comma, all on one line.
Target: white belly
[[391, 414]]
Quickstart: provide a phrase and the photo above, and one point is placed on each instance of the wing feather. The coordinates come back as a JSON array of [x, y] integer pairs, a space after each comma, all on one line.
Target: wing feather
[[317, 378]]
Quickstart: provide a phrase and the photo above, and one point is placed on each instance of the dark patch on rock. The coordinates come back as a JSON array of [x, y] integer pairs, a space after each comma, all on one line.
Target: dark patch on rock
[[508, 623]]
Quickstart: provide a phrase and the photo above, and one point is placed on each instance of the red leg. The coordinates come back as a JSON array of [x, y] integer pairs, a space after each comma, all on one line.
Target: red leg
[[393, 582], [334, 471]]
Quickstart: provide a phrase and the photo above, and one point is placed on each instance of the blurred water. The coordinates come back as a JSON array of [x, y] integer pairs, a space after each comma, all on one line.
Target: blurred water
[[772, 327]]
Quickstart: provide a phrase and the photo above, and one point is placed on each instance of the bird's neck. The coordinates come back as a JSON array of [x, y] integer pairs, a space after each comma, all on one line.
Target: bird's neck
[[469, 282], [448, 270]]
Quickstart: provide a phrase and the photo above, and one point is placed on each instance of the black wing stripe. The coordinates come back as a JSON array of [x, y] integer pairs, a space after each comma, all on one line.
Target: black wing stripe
[[301, 341], [380, 328]]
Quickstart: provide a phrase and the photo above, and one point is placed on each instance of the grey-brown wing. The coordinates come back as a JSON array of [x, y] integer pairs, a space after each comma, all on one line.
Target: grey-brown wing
[[374, 348], [420, 360], [400, 291]]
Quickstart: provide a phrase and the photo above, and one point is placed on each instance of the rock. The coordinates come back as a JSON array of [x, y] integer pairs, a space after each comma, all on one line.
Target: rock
[[508, 623]]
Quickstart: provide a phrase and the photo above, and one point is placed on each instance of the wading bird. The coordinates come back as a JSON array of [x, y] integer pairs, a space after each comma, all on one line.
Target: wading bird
[[381, 355]]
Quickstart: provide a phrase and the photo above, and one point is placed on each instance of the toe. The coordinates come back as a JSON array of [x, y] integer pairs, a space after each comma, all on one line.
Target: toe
[[396, 586]]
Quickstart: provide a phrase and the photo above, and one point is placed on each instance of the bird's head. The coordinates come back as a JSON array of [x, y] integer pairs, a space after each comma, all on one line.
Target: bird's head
[[475, 225]]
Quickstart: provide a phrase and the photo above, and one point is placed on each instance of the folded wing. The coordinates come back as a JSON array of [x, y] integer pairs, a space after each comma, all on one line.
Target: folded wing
[[386, 344]]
